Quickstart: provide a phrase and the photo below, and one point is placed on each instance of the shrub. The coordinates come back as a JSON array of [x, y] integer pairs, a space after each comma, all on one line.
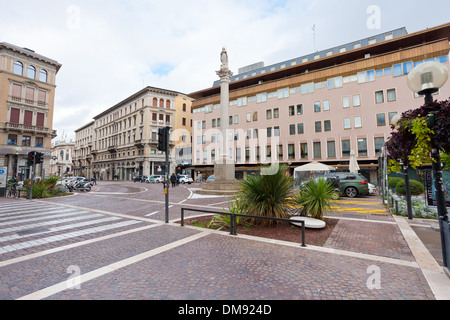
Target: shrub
[[415, 186], [393, 181], [316, 198], [267, 195]]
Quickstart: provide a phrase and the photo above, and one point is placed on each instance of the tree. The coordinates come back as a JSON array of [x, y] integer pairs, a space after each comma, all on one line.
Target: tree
[[417, 131]]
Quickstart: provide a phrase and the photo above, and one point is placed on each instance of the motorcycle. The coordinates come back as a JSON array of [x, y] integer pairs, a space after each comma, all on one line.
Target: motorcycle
[[79, 186]]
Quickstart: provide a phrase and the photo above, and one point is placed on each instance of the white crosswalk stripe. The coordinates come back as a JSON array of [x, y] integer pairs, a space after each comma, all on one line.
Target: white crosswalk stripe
[[45, 224]]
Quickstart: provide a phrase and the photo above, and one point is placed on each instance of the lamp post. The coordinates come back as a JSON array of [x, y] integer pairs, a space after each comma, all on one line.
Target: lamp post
[[425, 80]]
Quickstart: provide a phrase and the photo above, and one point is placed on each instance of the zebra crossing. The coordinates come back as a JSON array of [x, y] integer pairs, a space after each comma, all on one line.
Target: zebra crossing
[[28, 224]]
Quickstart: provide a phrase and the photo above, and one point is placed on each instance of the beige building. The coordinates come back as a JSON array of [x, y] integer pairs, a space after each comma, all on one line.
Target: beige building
[[61, 159], [121, 142], [27, 95], [82, 156]]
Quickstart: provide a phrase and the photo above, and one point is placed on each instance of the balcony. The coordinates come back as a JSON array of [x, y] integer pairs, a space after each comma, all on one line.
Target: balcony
[[24, 128], [28, 102], [112, 149], [139, 143]]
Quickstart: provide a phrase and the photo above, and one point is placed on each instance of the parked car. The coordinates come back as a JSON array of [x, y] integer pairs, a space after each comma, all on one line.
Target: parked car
[[336, 193], [186, 179], [140, 178], [351, 184], [156, 179]]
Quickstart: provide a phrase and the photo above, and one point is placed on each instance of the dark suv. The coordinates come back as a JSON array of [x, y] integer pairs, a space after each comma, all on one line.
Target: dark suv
[[351, 184], [140, 178]]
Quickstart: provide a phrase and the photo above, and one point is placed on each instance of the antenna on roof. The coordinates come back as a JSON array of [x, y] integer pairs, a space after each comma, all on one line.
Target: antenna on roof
[[314, 36]]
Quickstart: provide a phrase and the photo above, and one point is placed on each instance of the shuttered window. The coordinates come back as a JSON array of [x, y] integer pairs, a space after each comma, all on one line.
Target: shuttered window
[[17, 91], [15, 115], [30, 94], [42, 98], [40, 119], [28, 119]]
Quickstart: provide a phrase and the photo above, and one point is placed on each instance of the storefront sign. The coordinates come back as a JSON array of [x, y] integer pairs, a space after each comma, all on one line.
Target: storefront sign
[[3, 177]]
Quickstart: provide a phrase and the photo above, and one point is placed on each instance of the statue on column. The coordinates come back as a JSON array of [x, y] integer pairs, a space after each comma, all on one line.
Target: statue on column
[[224, 59]]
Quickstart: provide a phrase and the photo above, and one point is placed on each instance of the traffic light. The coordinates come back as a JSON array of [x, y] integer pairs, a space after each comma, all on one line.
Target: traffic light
[[39, 158], [30, 158], [163, 137]]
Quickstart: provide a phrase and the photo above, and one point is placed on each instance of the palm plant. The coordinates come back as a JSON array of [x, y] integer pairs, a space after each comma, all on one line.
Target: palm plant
[[267, 195], [315, 198], [235, 206]]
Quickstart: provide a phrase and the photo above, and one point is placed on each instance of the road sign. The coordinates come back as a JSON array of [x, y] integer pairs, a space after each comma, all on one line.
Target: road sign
[[3, 177]]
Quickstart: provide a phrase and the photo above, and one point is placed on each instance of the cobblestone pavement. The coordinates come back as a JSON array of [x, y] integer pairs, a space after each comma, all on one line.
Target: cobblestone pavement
[[113, 244]]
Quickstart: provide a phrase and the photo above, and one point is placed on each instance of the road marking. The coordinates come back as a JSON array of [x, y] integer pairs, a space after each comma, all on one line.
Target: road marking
[[152, 214], [62, 286]]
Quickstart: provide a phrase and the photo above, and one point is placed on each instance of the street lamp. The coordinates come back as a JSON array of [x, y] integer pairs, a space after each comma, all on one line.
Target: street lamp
[[427, 79]]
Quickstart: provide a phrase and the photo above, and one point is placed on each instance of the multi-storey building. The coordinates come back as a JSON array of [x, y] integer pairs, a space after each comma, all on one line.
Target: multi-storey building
[[61, 159], [121, 142], [27, 95], [318, 107], [82, 157]]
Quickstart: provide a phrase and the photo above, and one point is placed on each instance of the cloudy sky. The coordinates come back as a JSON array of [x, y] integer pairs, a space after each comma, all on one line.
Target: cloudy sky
[[111, 49]]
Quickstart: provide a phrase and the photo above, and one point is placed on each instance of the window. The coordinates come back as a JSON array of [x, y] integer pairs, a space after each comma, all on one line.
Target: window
[[28, 118], [255, 116], [255, 133], [238, 154], [326, 105], [17, 92], [346, 148], [291, 111], [269, 132], [31, 72], [203, 124], [236, 119], [291, 151], [362, 147], [280, 152], [398, 70], [347, 123], [391, 115], [304, 150], [327, 125], [292, 129], [15, 115], [381, 119], [299, 109], [213, 123], [276, 131], [269, 114], [276, 113], [391, 95], [317, 106], [356, 100], [18, 68], [358, 122], [12, 139], [300, 128], [379, 97], [346, 102], [318, 126], [39, 142], [407, 67], [317, 150], [40, 119], [379, 143], [268, 152], [26, 141], [331, 149]]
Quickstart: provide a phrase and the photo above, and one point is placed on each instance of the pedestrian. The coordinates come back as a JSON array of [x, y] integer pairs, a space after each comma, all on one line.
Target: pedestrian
[[178, 179], [94, 180], [173, 179]]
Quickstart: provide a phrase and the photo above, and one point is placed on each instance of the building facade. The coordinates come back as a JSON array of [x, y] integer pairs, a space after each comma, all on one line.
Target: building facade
[[61, 162], [318, 107], [121, 142], [27, 95]]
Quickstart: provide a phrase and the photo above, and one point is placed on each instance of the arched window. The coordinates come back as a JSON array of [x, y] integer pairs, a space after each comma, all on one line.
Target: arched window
[[161, 103], [18, 68], [43, 75], [168, 104], [155, 102], [31, 72]]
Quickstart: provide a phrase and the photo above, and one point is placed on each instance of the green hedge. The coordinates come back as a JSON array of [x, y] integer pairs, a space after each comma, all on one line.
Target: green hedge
[[393, 181], [415, 186]]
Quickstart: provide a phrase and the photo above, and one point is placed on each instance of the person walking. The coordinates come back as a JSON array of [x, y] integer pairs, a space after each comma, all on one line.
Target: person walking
[[173, 179]]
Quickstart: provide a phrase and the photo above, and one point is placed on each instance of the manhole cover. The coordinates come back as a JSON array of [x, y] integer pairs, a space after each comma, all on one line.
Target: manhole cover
[[32, 231]]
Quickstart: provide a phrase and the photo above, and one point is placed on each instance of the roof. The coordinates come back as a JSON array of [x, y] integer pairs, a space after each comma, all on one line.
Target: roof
[[401, 40], [30, 53]]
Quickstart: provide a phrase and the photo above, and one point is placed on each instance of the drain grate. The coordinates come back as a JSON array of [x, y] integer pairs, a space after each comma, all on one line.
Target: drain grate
[[31, 231]]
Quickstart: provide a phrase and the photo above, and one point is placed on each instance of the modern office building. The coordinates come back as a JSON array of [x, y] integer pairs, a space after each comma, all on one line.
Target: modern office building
[[27, 97], [121, 142], [318, 107]]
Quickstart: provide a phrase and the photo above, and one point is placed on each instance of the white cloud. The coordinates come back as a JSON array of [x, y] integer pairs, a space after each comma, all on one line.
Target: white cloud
[[112, 49]]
